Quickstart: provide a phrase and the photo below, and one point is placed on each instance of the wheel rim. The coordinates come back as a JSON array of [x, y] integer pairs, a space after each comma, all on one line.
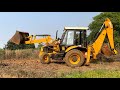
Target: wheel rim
[[45, 58], [74, 59]]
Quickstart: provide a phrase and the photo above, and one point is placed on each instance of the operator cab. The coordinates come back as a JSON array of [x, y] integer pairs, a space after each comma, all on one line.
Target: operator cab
[[74, 36]]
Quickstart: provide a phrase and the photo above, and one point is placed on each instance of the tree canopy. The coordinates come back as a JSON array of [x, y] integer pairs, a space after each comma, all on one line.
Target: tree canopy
[[98, 20], [12, 46]]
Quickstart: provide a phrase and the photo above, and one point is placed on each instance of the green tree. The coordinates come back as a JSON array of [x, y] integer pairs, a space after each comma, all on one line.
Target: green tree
[[12, 46], [98, 20]]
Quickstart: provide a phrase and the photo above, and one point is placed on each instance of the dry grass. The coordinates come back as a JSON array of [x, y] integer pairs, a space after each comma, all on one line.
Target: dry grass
[[19, 54]]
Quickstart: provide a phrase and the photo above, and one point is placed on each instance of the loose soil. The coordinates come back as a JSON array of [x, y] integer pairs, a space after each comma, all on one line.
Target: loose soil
[[34, 69]]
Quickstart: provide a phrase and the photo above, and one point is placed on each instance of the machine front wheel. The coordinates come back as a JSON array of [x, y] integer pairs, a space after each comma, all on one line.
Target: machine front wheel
[[45, 58]]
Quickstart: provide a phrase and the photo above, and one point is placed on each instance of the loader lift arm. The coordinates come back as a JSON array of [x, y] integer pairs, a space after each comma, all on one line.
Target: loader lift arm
[[96, 46], [32, 39], [24, 38]]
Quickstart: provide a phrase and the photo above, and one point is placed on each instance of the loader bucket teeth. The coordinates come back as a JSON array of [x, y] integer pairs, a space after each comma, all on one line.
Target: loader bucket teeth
[[19, 37]]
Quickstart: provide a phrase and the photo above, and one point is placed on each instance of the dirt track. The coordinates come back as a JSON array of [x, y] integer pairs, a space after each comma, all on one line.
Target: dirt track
[[34, 69]]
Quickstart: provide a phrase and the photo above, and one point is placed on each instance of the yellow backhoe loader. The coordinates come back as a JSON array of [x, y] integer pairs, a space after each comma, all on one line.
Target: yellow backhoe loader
[[72, 47]]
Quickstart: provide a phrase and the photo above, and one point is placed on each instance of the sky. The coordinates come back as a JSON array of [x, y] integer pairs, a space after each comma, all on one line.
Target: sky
[[41, 22]]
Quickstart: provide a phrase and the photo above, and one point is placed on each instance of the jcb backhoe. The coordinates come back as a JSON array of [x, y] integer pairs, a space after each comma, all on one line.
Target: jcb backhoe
[[72, 47]]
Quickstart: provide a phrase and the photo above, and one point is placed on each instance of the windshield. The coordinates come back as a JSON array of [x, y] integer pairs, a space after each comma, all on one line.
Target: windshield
[[70, 38], [63, 36], [67, 38]]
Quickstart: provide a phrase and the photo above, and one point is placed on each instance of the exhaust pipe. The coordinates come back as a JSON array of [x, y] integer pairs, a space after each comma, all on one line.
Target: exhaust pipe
[[19, 37]]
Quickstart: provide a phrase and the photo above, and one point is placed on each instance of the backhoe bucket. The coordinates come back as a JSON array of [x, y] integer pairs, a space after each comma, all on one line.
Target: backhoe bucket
[[19, 37], [106, 50]]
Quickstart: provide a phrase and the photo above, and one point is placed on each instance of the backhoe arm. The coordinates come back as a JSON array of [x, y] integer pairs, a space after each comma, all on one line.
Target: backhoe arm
[[96, 46], [109, 31]]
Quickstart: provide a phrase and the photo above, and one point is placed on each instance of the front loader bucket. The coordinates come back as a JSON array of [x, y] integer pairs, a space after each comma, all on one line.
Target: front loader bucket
[[19, 37]]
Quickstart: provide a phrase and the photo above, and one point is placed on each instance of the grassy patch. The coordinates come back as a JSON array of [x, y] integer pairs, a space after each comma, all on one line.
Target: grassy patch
[[94, 74]]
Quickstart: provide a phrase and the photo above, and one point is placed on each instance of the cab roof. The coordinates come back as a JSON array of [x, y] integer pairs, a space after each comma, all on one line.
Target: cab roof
[[75, 28]]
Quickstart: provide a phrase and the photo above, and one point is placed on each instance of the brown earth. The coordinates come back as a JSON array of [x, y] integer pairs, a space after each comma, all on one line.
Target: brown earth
[[34, 69]]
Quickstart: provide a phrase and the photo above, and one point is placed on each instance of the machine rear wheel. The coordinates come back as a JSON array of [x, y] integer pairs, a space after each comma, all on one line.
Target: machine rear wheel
[[74, 58], [45, 58]]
